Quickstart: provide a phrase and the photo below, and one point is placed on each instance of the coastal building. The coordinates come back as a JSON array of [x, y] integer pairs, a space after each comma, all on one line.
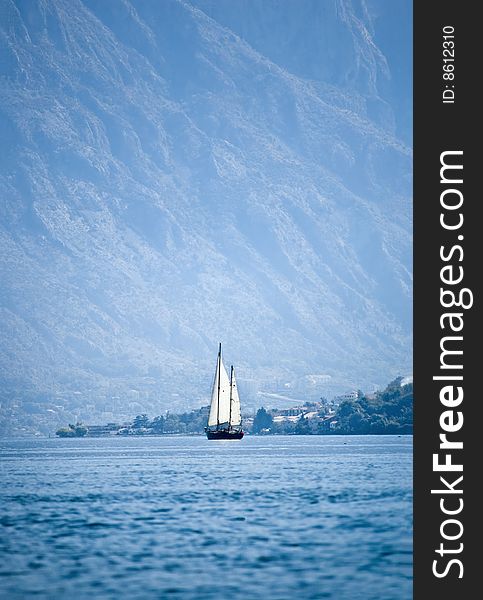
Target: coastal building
[[287, 418], [98, 430], [348, 396]]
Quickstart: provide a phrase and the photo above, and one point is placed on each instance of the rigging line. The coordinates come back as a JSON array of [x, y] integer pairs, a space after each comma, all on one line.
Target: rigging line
[[219, 373], [231, 395]]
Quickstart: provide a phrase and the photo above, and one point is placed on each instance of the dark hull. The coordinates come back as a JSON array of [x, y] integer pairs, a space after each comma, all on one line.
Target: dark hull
[[224, 434]]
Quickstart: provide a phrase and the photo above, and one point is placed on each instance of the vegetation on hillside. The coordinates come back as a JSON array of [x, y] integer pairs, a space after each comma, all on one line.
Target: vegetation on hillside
[[389, 411], [262, 422], [71, 430]]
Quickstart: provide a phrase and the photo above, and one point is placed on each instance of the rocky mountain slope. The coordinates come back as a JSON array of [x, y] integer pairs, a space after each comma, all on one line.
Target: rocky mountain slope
[[178, 173]]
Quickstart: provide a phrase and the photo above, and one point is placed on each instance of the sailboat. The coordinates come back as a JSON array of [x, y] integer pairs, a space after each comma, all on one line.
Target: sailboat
[[224, 421]]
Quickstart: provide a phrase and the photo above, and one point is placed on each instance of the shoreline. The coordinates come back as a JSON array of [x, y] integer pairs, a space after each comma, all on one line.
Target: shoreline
[[202, 435]]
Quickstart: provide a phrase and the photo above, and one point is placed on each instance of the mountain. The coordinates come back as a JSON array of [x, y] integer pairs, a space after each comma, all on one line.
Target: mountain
[[174, 174]]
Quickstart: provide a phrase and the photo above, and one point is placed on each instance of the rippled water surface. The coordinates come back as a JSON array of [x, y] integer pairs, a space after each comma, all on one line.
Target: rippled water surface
[[302, 517]]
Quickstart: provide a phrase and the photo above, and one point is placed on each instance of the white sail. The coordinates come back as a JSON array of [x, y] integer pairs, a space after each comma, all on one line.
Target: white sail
[[235, 419], [220, 396]]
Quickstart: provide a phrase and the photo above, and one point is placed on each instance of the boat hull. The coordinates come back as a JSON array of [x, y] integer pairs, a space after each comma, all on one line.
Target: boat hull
[[224, 434]]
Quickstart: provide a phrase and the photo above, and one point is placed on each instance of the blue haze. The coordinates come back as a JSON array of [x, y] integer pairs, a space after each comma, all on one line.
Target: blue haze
[[173, 174]]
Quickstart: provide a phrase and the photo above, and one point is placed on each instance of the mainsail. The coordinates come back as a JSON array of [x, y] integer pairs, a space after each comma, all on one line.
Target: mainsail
[[220, 396]]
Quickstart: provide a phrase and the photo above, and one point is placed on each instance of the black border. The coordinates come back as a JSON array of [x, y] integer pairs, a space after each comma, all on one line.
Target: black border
[[440, 127]]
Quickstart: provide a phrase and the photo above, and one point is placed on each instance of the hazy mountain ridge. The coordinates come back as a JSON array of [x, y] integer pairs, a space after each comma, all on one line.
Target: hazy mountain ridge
[[167, 186]]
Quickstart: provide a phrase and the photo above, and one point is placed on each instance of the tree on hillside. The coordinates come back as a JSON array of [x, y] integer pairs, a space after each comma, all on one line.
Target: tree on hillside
[[302, 427], [140, 422], [157, 424], [262, 420], [78, 430], [174, 424]]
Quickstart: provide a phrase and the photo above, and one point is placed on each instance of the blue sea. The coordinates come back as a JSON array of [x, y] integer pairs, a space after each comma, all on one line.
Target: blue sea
[[272, 518]]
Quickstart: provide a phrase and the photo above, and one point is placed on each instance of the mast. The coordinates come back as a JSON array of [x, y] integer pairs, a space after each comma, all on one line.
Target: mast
[[220, 395], [231, 396], [219, 376]]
